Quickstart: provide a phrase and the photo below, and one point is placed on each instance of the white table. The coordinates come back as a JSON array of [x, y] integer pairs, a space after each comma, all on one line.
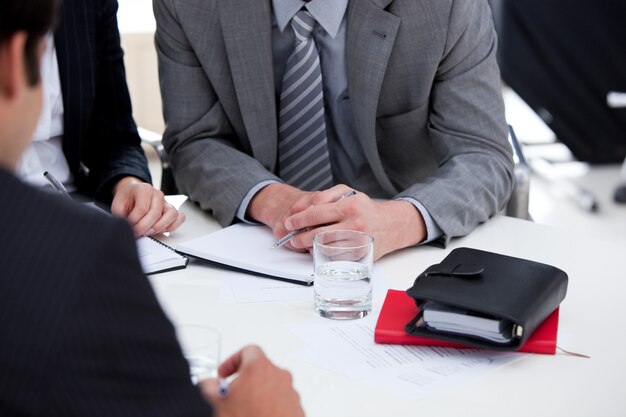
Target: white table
[[592, 318], [548, 206]]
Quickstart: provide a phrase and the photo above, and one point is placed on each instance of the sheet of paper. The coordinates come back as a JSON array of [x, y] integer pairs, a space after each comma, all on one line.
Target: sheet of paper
[[239, 287], [246, 288], [227, 296], [412, 371], [176, 200]]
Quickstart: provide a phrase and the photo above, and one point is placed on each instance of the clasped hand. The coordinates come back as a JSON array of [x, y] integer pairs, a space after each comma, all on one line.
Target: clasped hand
[[393, 224]]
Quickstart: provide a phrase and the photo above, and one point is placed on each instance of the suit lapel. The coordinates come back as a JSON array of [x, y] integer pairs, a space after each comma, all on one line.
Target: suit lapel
[[371, 33], [247, 30]]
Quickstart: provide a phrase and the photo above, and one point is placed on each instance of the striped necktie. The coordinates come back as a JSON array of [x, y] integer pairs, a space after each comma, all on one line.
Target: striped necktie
[[302, 147]]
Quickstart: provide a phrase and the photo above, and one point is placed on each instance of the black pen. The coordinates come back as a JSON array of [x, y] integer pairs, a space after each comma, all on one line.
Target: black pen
[[56, 184], [288, 236]]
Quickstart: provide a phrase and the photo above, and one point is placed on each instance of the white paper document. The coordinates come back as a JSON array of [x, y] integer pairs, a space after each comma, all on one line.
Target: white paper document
[[237, 287], [247, 247], [411, 371]]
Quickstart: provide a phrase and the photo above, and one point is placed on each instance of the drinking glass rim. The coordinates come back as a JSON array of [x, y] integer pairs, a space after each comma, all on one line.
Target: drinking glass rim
[[364, 234]]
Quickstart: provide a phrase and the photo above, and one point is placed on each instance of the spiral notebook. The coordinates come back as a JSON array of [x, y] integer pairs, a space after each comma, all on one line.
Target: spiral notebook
[[156, 256]]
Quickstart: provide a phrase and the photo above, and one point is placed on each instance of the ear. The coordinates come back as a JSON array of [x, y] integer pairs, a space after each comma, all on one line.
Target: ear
[[12, 65]]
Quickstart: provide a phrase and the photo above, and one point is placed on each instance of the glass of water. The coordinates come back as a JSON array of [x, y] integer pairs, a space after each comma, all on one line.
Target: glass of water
[[201, 348], [343, 261]]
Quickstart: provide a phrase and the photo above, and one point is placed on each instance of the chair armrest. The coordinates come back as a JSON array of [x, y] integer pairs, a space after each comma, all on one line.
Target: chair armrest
[[518, 202], [152, 139]]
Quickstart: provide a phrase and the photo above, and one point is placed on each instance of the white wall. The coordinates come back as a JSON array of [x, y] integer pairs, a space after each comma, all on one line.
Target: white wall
[[137, 26]]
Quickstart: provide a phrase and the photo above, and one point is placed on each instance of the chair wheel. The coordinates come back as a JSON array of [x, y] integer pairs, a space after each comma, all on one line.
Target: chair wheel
[[620, 194]]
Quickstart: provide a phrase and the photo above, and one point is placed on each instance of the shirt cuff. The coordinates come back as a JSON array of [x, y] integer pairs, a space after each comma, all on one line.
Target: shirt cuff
[[243, 206], [433, 231]]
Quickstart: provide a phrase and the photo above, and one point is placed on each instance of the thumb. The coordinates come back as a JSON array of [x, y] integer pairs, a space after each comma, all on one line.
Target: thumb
[[210, 389]]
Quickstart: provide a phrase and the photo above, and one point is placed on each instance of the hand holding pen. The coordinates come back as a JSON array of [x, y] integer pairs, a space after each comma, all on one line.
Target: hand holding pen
[[259, 387], [394, 224], [290, 235]]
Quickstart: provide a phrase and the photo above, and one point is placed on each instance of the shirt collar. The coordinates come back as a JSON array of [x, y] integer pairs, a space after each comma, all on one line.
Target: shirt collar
[[328, 13]]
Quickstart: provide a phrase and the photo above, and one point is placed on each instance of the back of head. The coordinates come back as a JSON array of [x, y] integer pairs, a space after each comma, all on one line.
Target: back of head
[[23, 25], [35, 18]]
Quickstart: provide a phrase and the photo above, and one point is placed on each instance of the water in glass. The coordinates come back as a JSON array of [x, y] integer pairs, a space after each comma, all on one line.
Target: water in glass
[[343, 290]]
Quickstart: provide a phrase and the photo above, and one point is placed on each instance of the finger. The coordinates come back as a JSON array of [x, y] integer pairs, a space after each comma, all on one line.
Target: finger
[[209, 388], [329, 209], [303, 242], [294, 247], [168, 217], [302, 203], [180, 219], [335, 216], [315, 198], [138, 202], [239, 360], [332, 195], [144, 225], [315, 216], [121, 205]]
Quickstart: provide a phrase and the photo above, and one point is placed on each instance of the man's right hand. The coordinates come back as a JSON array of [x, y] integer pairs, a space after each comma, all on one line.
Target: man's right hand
[[260, 388], [274, 203]]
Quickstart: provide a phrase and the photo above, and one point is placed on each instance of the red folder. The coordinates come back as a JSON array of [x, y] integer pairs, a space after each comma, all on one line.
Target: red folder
[[399, 308]]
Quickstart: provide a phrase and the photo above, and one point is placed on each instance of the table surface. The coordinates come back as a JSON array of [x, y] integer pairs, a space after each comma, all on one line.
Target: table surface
[[549, 206], [590, 318]]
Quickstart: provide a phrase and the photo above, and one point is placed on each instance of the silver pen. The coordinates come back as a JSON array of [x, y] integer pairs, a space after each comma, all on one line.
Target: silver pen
[[289, 235], [223, 387], [56, 184]]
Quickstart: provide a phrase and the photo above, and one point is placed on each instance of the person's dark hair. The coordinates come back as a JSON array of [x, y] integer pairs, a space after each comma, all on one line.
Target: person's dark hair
[[36, 18]]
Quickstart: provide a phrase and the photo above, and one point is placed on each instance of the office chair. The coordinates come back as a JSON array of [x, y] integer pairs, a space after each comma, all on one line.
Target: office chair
[[518, 202], [617, 99], [562, 57], [152, 139], [620, 191]]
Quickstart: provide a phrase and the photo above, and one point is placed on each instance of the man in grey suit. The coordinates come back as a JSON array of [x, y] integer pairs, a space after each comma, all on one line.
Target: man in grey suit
[[412, 114]]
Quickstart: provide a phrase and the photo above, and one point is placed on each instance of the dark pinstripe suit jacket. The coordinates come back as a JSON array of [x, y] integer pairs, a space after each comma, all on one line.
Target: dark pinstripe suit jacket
[[99, 129], [81, 331]]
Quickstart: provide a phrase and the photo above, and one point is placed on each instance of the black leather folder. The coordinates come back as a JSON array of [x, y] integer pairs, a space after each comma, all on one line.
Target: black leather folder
[[477, 290]]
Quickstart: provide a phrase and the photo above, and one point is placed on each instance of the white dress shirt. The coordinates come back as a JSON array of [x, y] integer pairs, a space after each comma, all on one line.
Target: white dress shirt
[[45, 152]]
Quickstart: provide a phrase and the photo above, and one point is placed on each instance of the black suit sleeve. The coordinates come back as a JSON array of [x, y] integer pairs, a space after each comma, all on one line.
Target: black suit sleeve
[[114, 147], [119, 352]]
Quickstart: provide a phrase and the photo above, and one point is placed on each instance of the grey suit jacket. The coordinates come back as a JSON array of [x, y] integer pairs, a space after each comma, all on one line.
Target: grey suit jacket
[[423, 82]]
